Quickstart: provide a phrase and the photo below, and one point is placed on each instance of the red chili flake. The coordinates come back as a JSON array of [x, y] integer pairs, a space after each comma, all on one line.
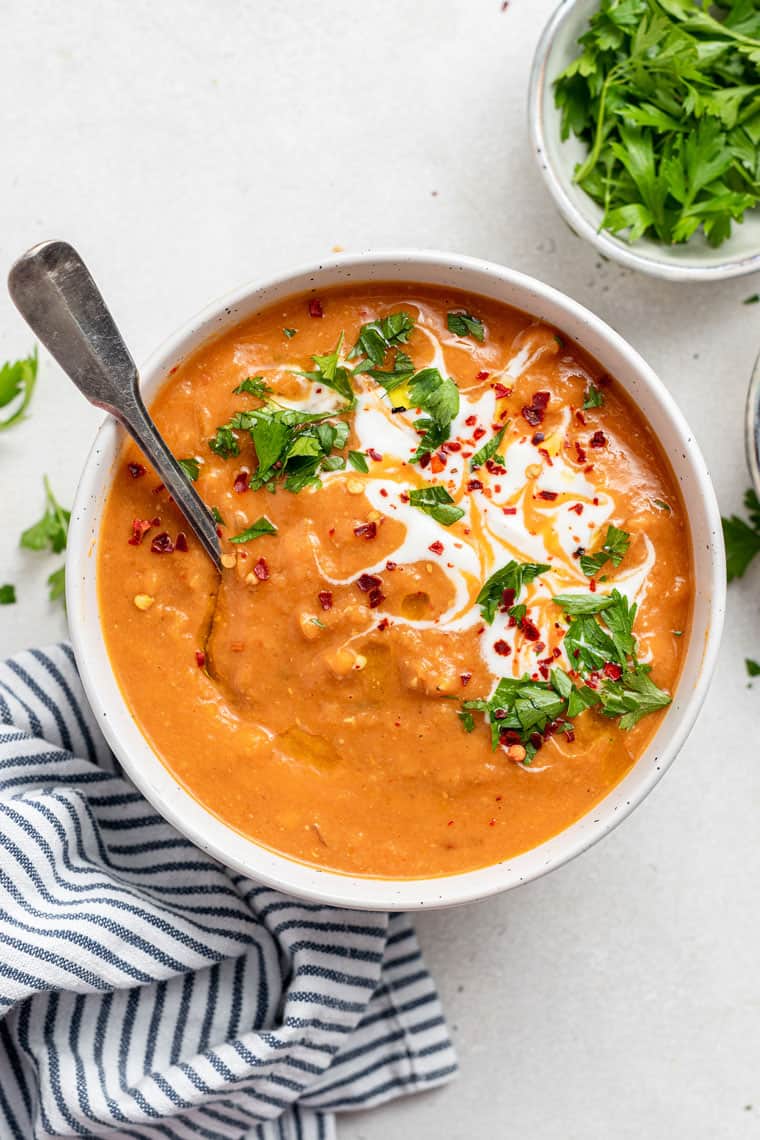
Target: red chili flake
[[508, 597], [383, 625], [241, 482], [437, 463], [595, 501], [135, 470], [261, 570], [580, 418], [425, 459], [162, 544], [373, 453], [367, 582], [315, 307], [502, 648], [543, 452], [325, 599], [482, 375], [509, 735], [200, 658], [598, 439], [534, 416], [495, 468], [539, 647], [501, 714], [471, 421], [218, 530], [157, 490], [140, 528], [451, 445], [331, 531], [501, 391], [383, 492], [391, 565], [509, 510], [540, 399], [550, 496], [450, 823], [543, 671], [404, 497], [581, 454], [436, 547], [479, 433], [492, 822], [529, 629], [538, 437], [536, 740], [578, 508], [465, 678], [592, 585], [474, 485], [569, 735], [180, 543], [588, 469], [375, 597], [613, 671], [366, 530], [578, 551]]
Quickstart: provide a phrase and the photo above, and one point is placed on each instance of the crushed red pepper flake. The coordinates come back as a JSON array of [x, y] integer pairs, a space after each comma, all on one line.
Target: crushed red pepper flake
[[366, 530], [509, 510], [465, 678], [391, 565], [474, 485], [136, 470], [261, 570], [375, 597], [436, 547], [325, 599], [367, 582], [538, 437], [529, 629], [383, 625], [598, 439], [479, 433], [550, 496], [502, 647], [242, 482], [374, 454], [200, 658], [451, 445], [471, 421], [482, 375], [315, 307], [162, 544], [140, 528], [180, 542], [578, 508], [613, 671], [501, 391]]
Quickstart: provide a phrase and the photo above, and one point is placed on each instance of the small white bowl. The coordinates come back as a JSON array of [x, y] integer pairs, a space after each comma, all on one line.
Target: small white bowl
[[696, 260], [227, 845]]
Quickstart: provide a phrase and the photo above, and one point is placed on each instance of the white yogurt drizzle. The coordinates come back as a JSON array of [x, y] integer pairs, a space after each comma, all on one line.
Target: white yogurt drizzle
[[468, 561]]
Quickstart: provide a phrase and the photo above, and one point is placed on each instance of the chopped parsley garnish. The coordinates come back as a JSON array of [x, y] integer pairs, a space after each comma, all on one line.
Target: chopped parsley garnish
[[401, 370], [615, 547], [217, 516], [377, 337], [224, 443], [331, 374], [511, 578], [7, 595], [465, 324], [436, 502], [50, 533], [583, 603], [742, 538], [254, 386], [191, 467], [17, 381], [56, 583], [665, 96], [489, 451], [594, 397], [662, 505], [358, 461], [753, 667], [439, 398], [752, 300], [289, 333], [255, 530]]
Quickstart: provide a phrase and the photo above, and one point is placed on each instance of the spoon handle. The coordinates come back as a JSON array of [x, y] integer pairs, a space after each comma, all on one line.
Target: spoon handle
[[55, 293]]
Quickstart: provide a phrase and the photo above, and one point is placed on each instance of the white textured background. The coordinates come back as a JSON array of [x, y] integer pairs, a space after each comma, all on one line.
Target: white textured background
[[188, 145]]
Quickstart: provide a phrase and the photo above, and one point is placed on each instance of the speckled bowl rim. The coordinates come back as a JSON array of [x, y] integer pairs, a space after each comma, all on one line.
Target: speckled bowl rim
[[228, 846], [615, 248]]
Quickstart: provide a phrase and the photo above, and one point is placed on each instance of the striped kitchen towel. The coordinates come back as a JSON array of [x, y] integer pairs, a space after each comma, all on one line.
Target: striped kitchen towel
[[146, 991]]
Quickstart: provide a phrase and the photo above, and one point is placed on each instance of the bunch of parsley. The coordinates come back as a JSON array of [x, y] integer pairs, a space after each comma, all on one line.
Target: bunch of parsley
[[666, 93]]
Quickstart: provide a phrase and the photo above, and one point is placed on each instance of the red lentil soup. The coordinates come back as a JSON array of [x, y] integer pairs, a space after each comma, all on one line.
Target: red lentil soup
[[457, 581]]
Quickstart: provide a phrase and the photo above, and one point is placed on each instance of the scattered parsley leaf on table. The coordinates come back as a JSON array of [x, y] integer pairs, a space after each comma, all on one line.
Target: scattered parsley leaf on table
[[753, 668], [50, 533], [742, 538], [667, 98], [17, 381], [7, 594]]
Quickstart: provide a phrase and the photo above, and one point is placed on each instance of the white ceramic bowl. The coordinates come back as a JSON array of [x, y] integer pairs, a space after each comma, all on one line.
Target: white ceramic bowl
[[694, 261], [227, 845]]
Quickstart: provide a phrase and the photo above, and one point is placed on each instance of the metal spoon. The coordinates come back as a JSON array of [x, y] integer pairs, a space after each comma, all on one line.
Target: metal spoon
[[752, 426], [56, 295]]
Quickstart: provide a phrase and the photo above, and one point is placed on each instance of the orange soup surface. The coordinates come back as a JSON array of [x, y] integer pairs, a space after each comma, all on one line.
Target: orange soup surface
[[456, 591]]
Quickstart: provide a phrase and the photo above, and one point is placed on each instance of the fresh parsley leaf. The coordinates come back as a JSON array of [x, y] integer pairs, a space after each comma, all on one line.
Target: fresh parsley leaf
[[742, 539], [587, 645], [7, 595], [633, 697], [439, 399], [465, 324], [752, 300], [224, 443], [17, 381], [331, 374], [254, 386], [377, 337], [594, 397], [217, 516], [191, 467], [489, 451], [662, 505], [57, 584], [753, 668], [400, 371], [467, 719], [574, 604], [51, 532], [512, 577], [358, 461], [289, 333], [436, 502], [255, 530], [614, 549]]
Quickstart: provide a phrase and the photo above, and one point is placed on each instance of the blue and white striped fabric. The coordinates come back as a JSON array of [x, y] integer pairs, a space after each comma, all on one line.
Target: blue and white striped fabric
[[145, 991]]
